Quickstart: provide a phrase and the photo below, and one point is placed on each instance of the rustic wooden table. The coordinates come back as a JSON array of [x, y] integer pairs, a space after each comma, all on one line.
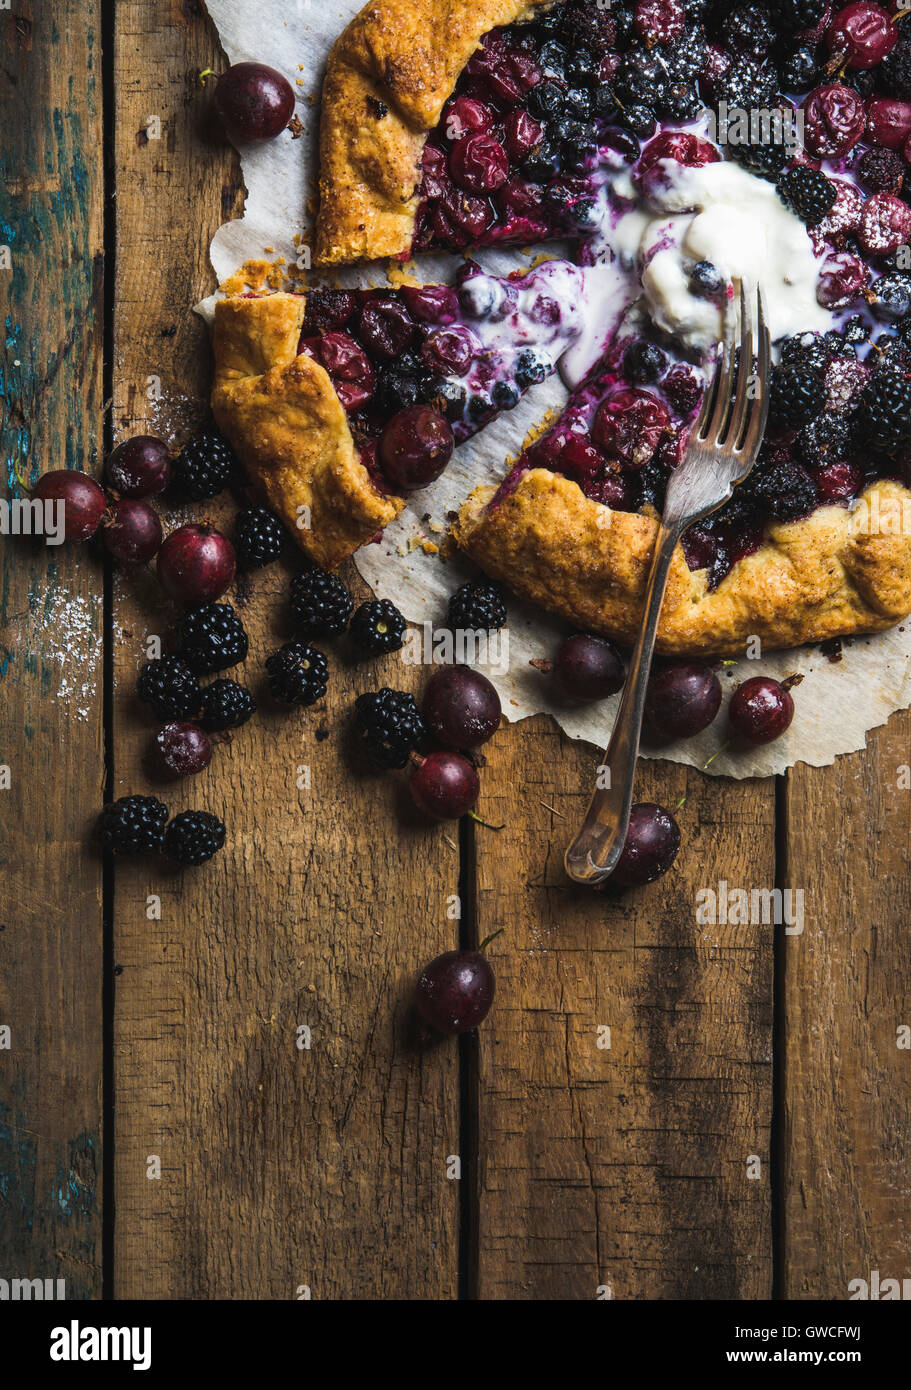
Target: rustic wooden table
[[746, 1134]]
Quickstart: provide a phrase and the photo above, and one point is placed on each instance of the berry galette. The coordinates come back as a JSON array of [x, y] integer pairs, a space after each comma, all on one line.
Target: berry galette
[[341, 402], [682, 148]]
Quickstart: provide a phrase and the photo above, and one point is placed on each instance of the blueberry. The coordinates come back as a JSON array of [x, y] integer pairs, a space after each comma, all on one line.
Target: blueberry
[[644, 362], [623, 142], [453, 397], [505, 395], [578, 102], [545, 100], [581, 66], [586, 214], [579, 155], [705, 280], [529, 369], [893, 296], [543, 164], [479, 297], [604, 103], [552, 59], [479, 409]]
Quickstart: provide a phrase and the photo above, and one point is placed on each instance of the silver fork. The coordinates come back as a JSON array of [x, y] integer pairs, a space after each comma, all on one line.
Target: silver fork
[[722, 449]]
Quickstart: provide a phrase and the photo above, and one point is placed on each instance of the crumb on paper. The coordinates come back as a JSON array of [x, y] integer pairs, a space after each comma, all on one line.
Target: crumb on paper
[[536, 432], [400, 273], [430, 548]]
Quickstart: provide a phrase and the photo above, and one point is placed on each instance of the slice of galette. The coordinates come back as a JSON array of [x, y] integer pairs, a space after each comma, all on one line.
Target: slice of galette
[[462, 124], [340, 403]]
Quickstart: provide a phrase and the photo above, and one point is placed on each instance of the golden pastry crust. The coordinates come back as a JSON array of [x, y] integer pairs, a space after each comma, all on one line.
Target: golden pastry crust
[[389, 76], [822, 577], [290, 431]]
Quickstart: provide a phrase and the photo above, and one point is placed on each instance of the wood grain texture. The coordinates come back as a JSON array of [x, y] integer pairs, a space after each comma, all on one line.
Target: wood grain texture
[[280, 1168], [51, 201], [847, 993], [626, 1167]]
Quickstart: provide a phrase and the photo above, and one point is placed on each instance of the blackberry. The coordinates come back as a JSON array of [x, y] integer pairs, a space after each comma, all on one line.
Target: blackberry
[[683, 389], [212, 638], [226, 705], [685, 58], [895, 70], [652, 485], [885, 415], [477, 607], [298, 674], [258, 538], [890, 296], [388, 726], [748, 85], [748, 29], [377, 627], [799, 70], [880, 171], [798, 14], [640, 119], [809, 349], [326, 310], [641, 78], [170, 687], [204, 467], [798, 394], [808, 193], [193, 837], [763, 158], [321, 603], [396, 390], [679, 101], [824, 440], [786, 489], [132, 825]]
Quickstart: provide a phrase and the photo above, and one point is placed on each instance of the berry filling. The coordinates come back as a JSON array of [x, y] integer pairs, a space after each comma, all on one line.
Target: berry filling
[[647, 133], [422, 368]]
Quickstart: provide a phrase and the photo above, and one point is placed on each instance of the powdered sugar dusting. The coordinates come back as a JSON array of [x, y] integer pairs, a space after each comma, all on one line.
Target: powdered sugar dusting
[[70, 633]]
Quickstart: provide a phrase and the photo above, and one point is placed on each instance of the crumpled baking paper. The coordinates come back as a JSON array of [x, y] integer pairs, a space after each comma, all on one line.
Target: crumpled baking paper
[[841, 695]]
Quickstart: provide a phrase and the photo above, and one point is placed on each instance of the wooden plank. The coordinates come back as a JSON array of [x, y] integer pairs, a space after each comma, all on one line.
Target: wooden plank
[[51, 695], [623, 1168], [280, 1168], [847, 998]]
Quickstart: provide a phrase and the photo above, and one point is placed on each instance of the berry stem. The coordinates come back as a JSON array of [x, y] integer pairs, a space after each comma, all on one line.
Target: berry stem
[[487, 940], [479, 821], [716, 753]]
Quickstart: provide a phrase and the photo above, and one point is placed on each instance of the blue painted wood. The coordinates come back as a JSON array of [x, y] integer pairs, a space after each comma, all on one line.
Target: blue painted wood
[[51, 696]]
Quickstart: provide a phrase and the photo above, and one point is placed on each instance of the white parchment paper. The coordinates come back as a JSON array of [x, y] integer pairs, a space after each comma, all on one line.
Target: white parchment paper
[[836, 703]]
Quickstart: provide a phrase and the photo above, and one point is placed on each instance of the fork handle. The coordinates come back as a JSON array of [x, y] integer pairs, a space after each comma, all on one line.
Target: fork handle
[[594, 852]]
